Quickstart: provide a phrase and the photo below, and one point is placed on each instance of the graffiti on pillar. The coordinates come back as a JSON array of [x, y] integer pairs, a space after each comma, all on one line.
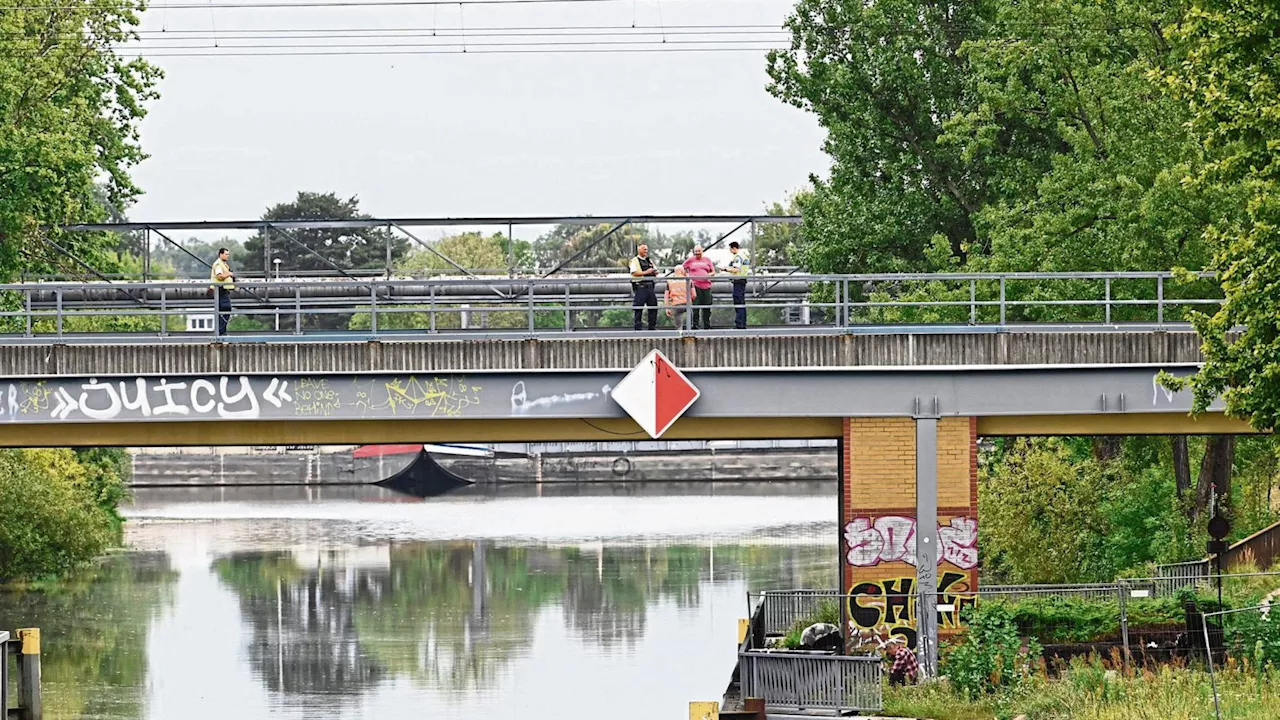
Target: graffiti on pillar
[[886, 608], [892, 538]]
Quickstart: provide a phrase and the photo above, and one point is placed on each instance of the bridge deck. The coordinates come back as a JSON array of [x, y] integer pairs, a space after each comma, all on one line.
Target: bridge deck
[[935, 347]]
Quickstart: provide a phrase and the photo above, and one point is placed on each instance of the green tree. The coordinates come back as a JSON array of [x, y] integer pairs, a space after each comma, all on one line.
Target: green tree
[[346, 248], [1086, 156], [1041, 519], [1230, 80], [474, 251], [69, 113], [62, 514], [884, 78], [563, 242]]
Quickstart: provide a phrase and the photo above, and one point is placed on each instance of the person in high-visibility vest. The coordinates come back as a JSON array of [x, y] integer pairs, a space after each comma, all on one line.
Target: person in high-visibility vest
[[223, 283], [739, 267]]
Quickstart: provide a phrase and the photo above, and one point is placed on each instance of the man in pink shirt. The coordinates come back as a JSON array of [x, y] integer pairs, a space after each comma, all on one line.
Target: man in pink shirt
[[700, 271]]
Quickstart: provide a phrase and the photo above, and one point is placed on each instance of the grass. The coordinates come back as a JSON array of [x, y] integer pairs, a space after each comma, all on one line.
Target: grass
[[1089, 692], [828, 612]]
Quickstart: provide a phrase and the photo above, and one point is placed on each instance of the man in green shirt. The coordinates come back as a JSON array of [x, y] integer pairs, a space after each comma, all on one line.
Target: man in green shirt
[[223, 283]]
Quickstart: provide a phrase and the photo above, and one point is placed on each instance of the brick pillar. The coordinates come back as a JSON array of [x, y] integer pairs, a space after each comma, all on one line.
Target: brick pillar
[[877, 543]]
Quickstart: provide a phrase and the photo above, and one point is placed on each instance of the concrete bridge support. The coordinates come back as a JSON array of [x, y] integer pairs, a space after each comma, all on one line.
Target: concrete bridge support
[[892, 573]]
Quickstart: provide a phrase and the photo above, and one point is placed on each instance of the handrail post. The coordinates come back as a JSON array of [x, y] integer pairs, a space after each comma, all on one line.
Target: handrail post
[[164, 313], [297, 310], [1002, 306], [973, 301], [531, 282], [58, 300], [688, 304], [28, 314], [1122, 593], [847, 308], [1160, 300], [1107, 283], [373, 308], [567, 302], [431, 310]]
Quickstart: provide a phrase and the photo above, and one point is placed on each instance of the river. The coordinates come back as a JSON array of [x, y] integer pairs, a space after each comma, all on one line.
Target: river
[[593, 602]]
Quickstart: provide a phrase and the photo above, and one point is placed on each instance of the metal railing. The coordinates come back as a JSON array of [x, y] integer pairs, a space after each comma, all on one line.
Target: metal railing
[[812, 682], [4, 674], [1173, 577], [1137, 619], [519, 307]]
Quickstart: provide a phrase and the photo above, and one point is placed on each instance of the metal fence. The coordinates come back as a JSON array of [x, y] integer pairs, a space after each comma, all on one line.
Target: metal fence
[[551, 306], [1137, 620], [801, 681], [1247, 637], [1175, 576]]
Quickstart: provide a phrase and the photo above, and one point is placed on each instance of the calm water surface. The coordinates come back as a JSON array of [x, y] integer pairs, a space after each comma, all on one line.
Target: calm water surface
[[225, 606]]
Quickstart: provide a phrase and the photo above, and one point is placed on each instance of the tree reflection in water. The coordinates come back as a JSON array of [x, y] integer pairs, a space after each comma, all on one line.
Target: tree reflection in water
[[450, 616], [94, 626]]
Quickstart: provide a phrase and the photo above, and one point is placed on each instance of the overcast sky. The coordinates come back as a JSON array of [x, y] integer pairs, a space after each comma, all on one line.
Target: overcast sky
[[471, 135]]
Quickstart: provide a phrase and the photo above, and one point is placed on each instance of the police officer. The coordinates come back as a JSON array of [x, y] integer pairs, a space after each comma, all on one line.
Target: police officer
[[642, 266]]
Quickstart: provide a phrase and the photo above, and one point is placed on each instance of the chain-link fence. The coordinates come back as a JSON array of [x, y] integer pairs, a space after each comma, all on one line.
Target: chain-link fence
[[1245, 638]]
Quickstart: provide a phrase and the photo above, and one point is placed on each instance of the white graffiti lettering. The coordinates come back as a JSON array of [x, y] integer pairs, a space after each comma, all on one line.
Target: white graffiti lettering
[[170, 407], [520, 402], [112, 398], [1157, 388], [66, 404], [892, 538], [208, 387], [142, 404], [276, 397], [13, 401], [959, 542], [246, 391]]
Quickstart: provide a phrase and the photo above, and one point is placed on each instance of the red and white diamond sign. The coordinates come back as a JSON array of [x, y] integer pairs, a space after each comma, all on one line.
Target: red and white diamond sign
[[655, 394]]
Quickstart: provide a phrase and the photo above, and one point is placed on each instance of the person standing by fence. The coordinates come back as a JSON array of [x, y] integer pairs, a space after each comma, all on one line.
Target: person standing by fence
[[739, 267], [643, 267], [222, 278], [676, 298], [701, 270]]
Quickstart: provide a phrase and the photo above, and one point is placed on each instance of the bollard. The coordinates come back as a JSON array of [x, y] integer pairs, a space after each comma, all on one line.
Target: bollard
[[704, 711], [30, 704]]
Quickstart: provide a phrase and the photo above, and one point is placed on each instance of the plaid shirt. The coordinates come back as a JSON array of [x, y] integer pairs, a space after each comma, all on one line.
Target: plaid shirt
[[904, 661]]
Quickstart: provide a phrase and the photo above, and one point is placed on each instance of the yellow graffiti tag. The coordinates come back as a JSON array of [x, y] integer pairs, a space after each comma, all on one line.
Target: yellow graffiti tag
[[35, 398]]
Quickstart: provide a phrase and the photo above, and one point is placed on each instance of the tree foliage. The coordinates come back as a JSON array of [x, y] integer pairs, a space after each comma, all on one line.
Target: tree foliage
[[321, 249], [69, 113], [996, 136], [61, 509], [1230, 80]]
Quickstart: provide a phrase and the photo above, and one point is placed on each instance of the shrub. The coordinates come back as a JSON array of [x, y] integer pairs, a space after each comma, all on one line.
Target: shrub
[[58, 513], [990, 654]]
